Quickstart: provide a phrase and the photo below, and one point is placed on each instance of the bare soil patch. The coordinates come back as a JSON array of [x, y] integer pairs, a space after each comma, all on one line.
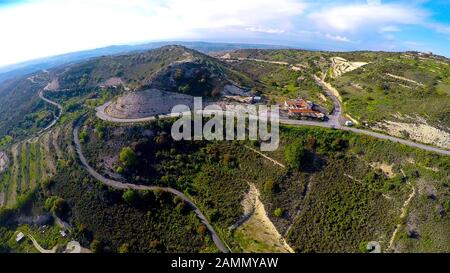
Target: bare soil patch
[[260, 232], [385, 168], [114, 81], [419, 131], [147, 103], [53, 85], [4, 162], [341, 66]]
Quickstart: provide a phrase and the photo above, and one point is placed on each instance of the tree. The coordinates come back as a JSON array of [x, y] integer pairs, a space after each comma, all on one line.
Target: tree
[[339, 144], [155, 244], [446, 206], [201, 229], [294, 155], [278, 212], [179, 74], [129, 196], [60, 207], [83, 136], [124, 248], [49, 202], [128, 157], [311, 142], [185, 88], [100, 131], [162, 138], [120, 170], [96, 246], [271, 187]]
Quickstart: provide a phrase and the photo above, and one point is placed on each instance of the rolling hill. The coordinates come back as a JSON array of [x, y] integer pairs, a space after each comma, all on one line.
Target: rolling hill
[[323, 190]]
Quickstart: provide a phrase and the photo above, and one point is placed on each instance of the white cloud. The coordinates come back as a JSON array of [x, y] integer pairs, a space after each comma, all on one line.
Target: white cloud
[[389, 29], [48, 27], [373, 2], [440, 28], [337, 38], [265, 30], [356, 17], [413, 43], [389, 37]]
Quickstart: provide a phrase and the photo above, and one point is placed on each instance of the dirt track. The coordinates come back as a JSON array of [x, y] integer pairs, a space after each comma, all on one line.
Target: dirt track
[[123, 186]]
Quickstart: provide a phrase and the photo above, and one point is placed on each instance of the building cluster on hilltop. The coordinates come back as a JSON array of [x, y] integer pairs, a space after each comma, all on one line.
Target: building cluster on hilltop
[[301, 108]]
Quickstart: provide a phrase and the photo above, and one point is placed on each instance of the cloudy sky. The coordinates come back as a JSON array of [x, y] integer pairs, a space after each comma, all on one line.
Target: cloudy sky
[[37, 28]]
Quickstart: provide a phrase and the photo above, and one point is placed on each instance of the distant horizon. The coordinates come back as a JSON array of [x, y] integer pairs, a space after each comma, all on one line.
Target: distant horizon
[[42, 28], [13, 66]]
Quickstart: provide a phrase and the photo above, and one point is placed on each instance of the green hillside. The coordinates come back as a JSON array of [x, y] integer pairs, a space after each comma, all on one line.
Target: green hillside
[[323, 190]]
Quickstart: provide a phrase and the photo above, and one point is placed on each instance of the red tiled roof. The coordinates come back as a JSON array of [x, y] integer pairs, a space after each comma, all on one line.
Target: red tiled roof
[[306, 112], [303, 111], [297, 103]]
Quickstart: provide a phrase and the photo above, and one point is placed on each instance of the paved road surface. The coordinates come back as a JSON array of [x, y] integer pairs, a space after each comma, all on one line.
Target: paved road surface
[[119, 185], [334, 122], [41, 95]]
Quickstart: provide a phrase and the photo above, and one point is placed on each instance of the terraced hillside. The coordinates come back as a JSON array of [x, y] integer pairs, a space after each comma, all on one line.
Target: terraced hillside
[[33, 162], [124, 188], [405, 95]]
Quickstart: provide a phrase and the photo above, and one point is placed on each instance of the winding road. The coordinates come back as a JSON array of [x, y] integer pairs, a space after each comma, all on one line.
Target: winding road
[[334, 122], [336, 118], [122, 186], [55, 120]]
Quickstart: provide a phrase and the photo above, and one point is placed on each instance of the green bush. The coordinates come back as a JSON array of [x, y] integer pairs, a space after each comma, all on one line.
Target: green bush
[[120, 170], [129, 196], [271, 187], [60, 207], [128, 157], [5, 141], [294, 154], [83, 136], [278, 212]]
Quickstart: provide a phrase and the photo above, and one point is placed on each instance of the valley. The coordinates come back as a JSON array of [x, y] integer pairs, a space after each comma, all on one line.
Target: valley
[[107, 151]]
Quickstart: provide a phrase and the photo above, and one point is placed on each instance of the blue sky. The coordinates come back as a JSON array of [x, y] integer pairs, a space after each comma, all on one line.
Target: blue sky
[[39, 28]]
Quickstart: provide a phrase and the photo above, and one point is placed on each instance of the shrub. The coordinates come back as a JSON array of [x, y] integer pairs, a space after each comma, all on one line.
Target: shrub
[[201, 229], [278, 212], [60, 207], [120, 170], [96, 246], [124, 248], [294, 154], [49, 202], [129, 196], [83, 137], [270, 187], [185, 88], [128, 157]]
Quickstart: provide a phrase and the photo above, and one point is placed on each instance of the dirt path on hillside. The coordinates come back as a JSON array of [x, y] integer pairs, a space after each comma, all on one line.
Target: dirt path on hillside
[[4, 162], [258, 226], [39, 248], [265, 156], [404, 79], [404, 213]]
